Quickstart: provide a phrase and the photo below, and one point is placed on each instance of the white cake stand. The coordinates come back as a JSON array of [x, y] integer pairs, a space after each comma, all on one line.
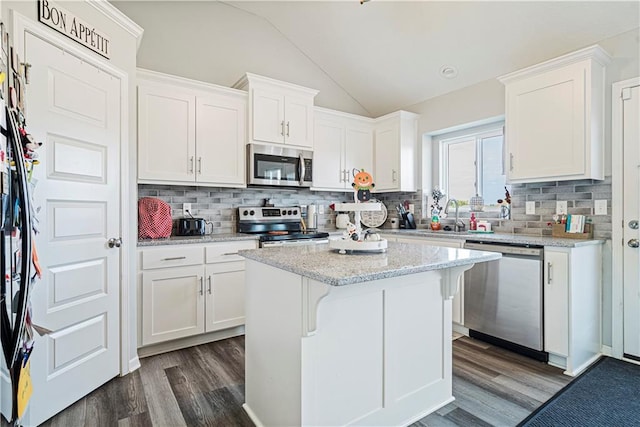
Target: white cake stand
[[362, 244]]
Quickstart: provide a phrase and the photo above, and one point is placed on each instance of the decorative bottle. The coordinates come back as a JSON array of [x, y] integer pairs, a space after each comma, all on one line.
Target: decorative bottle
[[473, 223]]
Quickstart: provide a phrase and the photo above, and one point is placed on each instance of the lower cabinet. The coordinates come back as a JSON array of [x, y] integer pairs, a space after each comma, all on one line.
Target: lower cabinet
[[458, 299], [572, 306], [182, 300]]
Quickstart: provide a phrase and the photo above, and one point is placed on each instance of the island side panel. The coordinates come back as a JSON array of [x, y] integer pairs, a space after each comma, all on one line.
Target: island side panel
[[381, 354], [273, 303]]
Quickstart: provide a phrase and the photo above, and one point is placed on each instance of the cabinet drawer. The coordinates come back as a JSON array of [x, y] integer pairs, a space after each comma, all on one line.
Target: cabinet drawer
[[176, 256], [227, 251]]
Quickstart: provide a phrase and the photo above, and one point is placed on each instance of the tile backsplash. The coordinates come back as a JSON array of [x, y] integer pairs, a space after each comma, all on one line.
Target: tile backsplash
[[219, 205]]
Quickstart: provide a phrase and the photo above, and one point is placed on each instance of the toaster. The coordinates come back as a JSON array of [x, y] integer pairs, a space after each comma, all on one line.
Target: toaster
[[190, 227]]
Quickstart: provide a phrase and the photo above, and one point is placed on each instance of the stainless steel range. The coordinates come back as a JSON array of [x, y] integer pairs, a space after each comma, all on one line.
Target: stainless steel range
[[277, 226]]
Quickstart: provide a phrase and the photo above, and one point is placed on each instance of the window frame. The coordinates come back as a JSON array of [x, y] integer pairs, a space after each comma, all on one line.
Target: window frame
[[465, 136]]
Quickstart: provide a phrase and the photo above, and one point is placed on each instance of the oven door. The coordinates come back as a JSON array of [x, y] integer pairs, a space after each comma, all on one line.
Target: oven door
[[278, 166]]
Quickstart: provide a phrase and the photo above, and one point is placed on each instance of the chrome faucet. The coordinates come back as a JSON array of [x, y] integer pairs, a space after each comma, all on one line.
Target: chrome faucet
[[459, 225]]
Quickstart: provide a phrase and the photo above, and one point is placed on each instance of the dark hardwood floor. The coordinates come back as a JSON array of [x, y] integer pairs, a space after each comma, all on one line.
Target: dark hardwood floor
[[204, 386]]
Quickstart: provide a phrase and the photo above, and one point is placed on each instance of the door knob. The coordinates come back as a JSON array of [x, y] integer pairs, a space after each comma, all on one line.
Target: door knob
[[115, 243], [633, 224], [633, 243]]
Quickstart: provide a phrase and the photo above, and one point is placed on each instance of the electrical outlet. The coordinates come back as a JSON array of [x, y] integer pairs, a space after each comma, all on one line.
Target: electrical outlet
[[530, 208], [186, 209], [412, 208], [600, 207], [320, 209], [561, 207]]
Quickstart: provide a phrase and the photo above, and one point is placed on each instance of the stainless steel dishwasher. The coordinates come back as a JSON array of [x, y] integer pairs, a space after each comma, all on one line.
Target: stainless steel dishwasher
[[503, 300]]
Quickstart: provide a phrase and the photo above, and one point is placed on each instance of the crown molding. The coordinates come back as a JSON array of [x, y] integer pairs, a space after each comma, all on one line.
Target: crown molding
[[119, 18]]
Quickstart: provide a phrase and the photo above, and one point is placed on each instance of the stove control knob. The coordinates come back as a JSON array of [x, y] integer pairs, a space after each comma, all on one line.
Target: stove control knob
[[245, 213], [289, 212], [252, 213], [295, 212], [284, 212]]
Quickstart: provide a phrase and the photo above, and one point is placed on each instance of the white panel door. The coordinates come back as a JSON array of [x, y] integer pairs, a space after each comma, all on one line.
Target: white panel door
[[387, 157], [358, 151], [268, 116], [631, 212], [74, 108], [546, 125], [298, 113], [166, 137], [220, 139], [328, 154], [224, 295]]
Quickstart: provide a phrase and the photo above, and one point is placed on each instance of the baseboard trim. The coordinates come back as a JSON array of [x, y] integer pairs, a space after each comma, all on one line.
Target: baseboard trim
[[460, 329], [134, 364], [172, 345], [252, 415], [607, 350], [585, 365]]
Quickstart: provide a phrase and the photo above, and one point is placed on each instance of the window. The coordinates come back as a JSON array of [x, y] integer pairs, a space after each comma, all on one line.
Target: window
[[471, 164]]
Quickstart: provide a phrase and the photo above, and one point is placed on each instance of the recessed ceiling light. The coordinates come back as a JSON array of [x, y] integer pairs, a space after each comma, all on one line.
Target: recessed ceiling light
[[448, 72]]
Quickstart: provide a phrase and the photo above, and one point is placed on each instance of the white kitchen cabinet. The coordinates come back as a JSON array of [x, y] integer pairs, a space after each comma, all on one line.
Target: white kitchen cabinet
[[396, 152], [279, 112], [342, 142], [458, 299], [572, 306], [172, 304], [189, 290], [555, 118], [190, 132]]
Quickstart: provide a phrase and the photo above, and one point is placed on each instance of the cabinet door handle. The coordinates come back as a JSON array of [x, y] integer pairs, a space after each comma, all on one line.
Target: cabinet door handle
[[282, 128], [173, 258], [191, 164], [209, 288], [394, 175], [511, 162], [200, 165], [230, 253], [287, 129], [201, 285], [549, 270]]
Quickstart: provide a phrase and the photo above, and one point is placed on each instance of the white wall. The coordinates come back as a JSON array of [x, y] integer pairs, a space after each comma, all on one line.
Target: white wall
[[123, 56], [242, 43]]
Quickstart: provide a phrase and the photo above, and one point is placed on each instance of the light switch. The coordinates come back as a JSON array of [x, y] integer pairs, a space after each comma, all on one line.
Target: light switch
[[600, 207], [561, 207], [530, 208]]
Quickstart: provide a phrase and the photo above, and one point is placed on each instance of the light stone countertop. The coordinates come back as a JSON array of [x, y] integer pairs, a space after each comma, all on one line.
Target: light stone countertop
[[321, 263], [519, 239], [209, 238]]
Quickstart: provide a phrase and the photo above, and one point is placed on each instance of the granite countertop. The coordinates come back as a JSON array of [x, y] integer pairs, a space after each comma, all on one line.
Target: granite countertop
[[321, 263], [521, 239], [210, 238]]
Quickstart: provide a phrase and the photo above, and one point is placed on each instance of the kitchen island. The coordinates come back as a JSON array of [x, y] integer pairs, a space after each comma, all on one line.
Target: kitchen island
[[350, 339]]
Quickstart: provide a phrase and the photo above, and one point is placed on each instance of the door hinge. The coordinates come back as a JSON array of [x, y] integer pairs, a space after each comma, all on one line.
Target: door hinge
[[626, 93], [26, 66]]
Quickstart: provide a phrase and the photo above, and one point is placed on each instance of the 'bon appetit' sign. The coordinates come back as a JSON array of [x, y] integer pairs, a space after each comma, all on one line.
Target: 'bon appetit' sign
[[71, 26]]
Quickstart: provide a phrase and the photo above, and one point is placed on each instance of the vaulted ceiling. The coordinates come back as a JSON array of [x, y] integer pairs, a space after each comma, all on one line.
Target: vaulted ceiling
[[372, 58]]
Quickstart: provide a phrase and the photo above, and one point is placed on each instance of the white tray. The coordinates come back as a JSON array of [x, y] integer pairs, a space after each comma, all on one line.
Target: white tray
[[344, 245]]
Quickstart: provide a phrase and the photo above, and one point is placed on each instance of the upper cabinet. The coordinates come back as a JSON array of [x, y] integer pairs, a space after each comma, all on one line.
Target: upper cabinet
[[190, 132], [279, 112], [342, 142], [555, 118], [395, 152]]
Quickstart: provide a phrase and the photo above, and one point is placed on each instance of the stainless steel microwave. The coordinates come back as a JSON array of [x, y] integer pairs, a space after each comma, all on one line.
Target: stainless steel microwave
[[278, 166]]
